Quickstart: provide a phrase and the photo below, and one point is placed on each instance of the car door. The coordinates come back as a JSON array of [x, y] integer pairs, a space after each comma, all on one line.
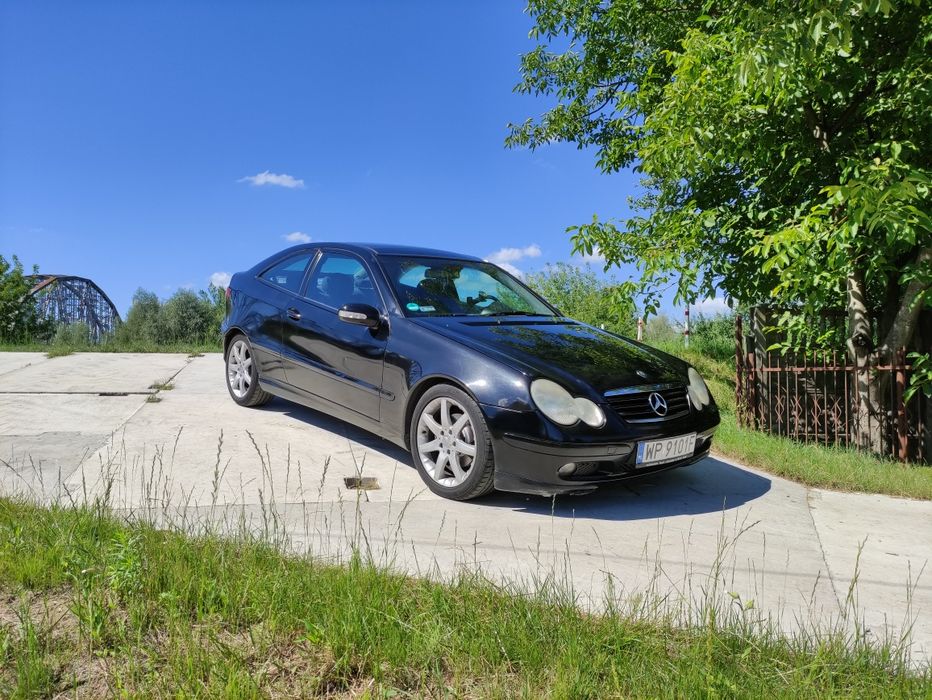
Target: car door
[[329, 358], [278, 285]]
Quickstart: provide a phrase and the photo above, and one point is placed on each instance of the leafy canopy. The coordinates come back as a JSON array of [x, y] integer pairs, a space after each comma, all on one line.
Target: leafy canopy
[[784, 147]]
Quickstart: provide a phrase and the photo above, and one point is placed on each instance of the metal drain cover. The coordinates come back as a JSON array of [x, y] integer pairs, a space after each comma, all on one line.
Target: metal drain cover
[[361, 483]]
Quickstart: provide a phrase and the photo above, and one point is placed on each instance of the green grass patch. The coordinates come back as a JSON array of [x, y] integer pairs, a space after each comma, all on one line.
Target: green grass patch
[[162, 386], [86, 599], [825, 467], [58, 349]]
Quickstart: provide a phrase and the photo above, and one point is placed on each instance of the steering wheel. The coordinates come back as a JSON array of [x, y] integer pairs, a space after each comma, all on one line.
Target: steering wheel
[[483, 296]]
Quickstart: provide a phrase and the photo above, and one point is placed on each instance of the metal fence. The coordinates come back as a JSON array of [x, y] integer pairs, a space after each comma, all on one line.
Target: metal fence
[[813, 397]]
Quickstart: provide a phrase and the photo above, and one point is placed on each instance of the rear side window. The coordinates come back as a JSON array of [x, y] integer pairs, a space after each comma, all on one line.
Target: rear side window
[[288, 273], [342, 279]]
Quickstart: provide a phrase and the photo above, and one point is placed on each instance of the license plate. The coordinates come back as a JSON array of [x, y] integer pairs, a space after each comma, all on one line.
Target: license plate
[[665, 450]]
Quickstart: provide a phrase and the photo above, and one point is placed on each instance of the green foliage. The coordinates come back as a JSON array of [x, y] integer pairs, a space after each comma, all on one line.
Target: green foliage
[[19, 319], [921, 379], [784, 147], [582, 295], [713, 336], [72, 335], [142, 322], [184, 318]]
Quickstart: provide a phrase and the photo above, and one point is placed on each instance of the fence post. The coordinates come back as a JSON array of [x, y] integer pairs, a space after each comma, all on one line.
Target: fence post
[[686, 330], [739, 366], [752, 389], [902, 440]]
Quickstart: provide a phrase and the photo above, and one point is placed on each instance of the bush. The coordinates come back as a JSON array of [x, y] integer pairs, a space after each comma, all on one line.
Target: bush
[[714, 336], [184, 318], [72, 335], [19, 318], [580, 294]]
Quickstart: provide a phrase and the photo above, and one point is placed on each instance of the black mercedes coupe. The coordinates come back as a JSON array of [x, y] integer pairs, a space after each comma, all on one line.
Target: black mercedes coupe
[[487, 384]]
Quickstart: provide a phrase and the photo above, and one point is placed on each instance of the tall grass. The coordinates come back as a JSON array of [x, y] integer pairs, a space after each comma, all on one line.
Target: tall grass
[[203, 615], [185, 599]]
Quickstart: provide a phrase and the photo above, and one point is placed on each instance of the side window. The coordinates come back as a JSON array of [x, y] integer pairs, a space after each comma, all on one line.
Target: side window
[[342, 279], [289, 273]]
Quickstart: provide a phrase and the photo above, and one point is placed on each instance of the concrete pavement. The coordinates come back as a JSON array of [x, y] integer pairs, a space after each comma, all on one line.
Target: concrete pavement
[[78, 426]]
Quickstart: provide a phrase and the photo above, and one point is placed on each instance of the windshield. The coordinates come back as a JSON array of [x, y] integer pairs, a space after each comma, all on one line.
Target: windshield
[[447, 287]]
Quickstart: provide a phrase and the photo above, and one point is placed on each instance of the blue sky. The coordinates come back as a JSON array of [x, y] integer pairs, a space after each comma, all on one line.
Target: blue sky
[[156, 144]]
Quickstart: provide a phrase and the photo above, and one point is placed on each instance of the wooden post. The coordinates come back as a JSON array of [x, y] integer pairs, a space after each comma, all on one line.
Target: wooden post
[[902, 440], [739, 369], [752, 389]]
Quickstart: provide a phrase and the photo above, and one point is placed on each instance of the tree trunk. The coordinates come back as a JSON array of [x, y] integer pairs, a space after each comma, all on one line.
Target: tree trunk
[[868, 424]]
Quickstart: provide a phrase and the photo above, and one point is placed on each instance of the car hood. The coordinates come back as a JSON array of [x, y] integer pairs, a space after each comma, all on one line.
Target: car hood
[[562, 349]]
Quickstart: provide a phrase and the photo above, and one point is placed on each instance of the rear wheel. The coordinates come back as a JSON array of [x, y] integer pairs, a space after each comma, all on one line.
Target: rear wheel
[[243, 374], [451, 445]]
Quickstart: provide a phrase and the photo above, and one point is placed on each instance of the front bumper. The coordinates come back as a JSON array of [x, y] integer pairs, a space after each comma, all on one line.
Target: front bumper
[[525, 464]]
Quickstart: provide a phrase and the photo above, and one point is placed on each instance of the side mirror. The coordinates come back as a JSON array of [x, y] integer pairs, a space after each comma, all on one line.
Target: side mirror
[[360, 314]]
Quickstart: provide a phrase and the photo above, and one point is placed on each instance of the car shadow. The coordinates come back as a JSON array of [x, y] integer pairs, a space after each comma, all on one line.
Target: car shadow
[[709, 486], [338, 427]]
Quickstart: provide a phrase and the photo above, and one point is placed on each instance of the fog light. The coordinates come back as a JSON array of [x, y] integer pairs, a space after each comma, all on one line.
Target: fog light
[[567, 470]]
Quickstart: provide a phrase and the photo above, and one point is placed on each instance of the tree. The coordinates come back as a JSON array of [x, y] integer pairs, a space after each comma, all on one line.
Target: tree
[[187, 317], [19, 317], [580, 294], [785, 150], [142, 324]]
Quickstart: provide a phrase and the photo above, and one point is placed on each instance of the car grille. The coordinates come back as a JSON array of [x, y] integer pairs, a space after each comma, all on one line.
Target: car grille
[[633, 404]]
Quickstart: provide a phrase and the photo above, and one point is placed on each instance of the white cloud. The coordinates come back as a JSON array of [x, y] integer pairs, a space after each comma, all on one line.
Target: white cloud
[[220, 279], [509, 255], [511, 268], [505, 256], [297, 237], [594, 258], [711, 307], [267, 178]]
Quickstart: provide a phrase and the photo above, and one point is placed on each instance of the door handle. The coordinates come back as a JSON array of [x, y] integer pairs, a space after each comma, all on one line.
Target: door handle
[[294, 314]]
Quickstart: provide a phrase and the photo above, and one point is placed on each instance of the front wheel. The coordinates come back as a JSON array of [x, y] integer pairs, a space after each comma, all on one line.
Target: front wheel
[[243, 374], [451, 445]]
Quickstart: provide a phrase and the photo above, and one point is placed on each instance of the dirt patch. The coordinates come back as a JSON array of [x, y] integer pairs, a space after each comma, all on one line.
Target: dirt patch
[[40, 630]]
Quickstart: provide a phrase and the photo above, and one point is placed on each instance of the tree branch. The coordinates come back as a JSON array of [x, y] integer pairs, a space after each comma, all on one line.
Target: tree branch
[[815, 123], [904, 323]]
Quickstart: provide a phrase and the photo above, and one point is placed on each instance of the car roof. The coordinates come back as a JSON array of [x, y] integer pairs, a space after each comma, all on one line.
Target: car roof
[[390, 249]]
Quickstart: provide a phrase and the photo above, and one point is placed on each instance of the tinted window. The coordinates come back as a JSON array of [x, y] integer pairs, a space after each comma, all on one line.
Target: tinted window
[[442, 287], [342, 279], [289, 272]]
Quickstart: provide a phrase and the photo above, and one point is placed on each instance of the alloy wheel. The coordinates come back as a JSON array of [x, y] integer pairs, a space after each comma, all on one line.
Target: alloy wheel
[[239, 368], [446, 441]]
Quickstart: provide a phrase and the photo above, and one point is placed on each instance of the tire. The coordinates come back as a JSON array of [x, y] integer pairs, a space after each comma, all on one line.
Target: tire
[[449, 432], [242, 374]]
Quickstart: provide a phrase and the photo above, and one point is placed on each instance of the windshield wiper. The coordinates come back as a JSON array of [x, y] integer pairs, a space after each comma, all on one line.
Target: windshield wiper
[[516, 313]]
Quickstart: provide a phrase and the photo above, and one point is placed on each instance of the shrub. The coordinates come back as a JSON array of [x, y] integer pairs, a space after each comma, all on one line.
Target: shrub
[[582, 295], [72, 335]]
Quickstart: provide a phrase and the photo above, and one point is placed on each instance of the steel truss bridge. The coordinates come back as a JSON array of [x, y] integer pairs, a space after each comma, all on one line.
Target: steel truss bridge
[[67, 299]]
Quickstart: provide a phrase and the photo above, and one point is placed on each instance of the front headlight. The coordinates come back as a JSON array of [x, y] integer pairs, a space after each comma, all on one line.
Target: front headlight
[[561, 407], [698, 391]]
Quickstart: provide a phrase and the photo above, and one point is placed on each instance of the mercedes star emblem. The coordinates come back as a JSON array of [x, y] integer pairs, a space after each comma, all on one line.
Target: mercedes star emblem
[[658, 404]]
